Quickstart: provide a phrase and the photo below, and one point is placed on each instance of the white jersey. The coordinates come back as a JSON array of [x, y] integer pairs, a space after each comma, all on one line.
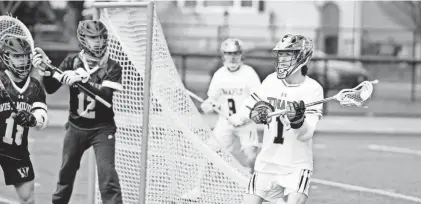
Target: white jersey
[[281, 151], [230, 89]]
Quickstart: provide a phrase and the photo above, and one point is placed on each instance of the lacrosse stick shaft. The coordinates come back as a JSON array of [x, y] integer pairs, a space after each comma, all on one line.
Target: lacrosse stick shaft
[[191, 94], [367, 95], [283, 112], [11, 102], [84, 89]]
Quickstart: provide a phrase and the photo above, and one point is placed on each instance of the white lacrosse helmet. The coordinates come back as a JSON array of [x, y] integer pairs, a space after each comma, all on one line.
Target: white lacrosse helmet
[[291, 53], [231, 51]]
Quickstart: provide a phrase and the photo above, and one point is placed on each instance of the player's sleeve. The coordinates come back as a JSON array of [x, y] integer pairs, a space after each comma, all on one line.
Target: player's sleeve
[[51, 84], [214, 90], [313, 115], [254, 81], [316, 95], [39, 109], [113, 79], [112, 83]]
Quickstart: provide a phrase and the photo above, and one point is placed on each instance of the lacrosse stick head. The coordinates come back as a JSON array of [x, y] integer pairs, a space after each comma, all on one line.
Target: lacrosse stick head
[[13, 27], [357, 96], [17, 46]]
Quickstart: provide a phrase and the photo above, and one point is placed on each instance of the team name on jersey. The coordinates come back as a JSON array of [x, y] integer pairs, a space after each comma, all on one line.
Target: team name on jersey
[[19, 106], [232, 91], [277, 103], [96, 85]]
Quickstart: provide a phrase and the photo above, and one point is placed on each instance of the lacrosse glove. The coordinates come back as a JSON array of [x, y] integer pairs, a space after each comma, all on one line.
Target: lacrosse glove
[[259, 113], [295, 113], [25, 119]]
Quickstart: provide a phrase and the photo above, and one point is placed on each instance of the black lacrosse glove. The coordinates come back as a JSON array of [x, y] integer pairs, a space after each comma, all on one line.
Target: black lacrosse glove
[[25, 119], [259, 113], [295, 114]]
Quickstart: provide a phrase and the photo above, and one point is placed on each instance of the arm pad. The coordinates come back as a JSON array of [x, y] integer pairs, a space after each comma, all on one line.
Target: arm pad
[[40, 113], [306, 131]]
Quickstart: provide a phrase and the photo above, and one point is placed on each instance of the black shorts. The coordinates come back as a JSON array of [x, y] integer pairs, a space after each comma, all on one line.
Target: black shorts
[[17, 171]]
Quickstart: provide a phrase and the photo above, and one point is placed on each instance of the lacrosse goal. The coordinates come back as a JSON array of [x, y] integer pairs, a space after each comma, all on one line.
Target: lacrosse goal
[[154, 113]]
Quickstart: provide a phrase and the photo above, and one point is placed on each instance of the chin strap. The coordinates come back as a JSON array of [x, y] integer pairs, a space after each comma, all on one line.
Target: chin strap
[[94, 61], [233, 70]]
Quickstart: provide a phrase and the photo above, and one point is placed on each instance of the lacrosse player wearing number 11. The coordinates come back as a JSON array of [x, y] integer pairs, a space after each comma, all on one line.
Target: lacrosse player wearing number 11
[[28, 96], [90, 122], [284, 165]]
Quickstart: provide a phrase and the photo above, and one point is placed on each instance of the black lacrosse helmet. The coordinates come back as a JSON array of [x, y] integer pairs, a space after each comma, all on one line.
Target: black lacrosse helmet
[[16, 55], [94, 29]]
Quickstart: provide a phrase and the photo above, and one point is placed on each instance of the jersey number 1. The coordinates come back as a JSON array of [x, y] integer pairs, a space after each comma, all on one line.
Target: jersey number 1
[[8, 134], [279, 132], [231, 106], [88, 111]]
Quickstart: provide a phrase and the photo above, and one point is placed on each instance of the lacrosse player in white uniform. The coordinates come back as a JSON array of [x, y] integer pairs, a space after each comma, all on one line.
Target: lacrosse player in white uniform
[[230, 86], [285, 164]]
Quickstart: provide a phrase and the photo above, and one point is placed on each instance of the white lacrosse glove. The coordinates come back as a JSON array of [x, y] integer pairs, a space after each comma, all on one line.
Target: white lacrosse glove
[[70, 77], [208, 106], [83, 74], [38, 58]]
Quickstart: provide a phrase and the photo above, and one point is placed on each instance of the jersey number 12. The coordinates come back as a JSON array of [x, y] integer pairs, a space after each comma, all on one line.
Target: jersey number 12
[[8, 133], [88, 111]]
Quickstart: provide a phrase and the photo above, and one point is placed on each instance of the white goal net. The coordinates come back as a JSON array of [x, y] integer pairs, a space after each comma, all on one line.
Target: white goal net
[[178, 158]]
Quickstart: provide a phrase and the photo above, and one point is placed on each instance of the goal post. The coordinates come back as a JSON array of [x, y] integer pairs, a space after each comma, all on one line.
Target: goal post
[[162, 149], [148, 65]]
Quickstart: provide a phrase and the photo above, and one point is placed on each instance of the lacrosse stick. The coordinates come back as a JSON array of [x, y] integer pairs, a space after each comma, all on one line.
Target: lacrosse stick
[[8, 98], [201, 101], [13, 27], [357, 97], [84, 89]]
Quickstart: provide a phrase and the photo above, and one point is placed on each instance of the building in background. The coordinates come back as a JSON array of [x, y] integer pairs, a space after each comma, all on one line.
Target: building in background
[[347, 28]]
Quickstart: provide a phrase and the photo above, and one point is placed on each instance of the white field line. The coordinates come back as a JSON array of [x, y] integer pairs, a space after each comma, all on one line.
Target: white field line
[[5, 200], [384, 148], [366, 190]]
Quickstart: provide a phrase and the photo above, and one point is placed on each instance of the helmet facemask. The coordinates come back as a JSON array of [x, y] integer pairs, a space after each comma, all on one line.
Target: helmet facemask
[[17, 57], [19, 64], [93, 39], [232, 60], [291, 53], [286, 63], [231, 51]]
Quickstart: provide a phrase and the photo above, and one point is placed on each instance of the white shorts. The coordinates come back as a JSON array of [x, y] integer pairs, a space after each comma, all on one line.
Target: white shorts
[[273, 187], [227, 135]]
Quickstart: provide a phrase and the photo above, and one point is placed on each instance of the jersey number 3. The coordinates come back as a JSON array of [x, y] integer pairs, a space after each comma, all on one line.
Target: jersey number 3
[[8, 133], [88, 111], [279, 132]]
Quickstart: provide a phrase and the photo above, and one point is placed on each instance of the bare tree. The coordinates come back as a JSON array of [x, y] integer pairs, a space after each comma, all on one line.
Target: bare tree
[[405, 13], [9, 7]]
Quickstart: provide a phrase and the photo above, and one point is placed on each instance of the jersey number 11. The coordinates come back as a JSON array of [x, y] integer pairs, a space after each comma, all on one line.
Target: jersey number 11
[[10, 129]]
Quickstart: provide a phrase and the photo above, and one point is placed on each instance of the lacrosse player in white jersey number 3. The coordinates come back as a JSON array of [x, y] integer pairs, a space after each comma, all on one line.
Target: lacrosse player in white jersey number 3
[[229, 88], [284, 165]]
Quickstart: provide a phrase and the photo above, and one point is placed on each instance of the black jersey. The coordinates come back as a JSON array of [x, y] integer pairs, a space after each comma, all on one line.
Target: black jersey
[[14, 141], [86, 112]]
